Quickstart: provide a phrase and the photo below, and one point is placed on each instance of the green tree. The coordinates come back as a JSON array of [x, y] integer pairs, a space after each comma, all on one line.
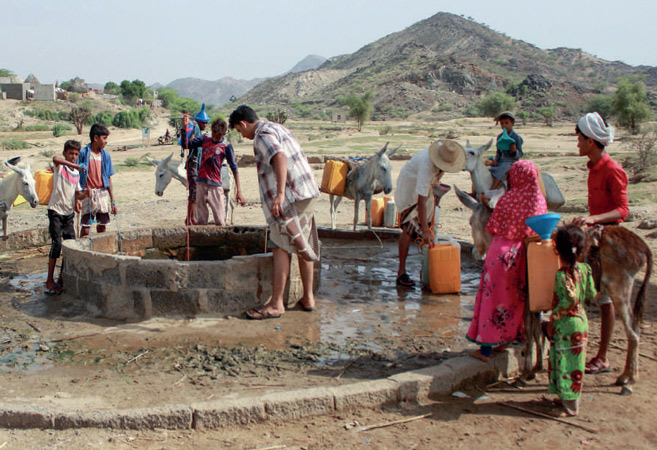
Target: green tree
[[111, 88], [79, 116], [548, 113], [495, 103], [6, 73], [630, 104], [602, 104], [523, 116], [136, 89], [360, 107], [60, 129], [103, 118]]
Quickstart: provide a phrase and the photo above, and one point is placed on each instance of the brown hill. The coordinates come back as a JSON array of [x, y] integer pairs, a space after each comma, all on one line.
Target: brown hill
[[446, 63]]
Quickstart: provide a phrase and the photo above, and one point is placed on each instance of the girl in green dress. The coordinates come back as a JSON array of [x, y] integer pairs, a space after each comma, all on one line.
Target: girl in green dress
[[568, 327]]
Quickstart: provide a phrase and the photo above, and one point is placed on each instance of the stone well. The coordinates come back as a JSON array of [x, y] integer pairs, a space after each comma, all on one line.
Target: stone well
[[145, 273]]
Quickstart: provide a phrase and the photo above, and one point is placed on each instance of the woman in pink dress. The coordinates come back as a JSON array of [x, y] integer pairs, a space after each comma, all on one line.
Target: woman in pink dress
[[500, 302]]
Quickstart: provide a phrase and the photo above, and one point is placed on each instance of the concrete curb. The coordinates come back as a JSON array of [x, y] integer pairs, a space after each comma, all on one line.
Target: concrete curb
[[414, 386]]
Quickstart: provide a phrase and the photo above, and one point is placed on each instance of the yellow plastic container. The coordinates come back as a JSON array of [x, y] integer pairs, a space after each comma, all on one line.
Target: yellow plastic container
[[378, 209], [44, 184], [334, 177], [445, 268], [542, 266], [19, 201]]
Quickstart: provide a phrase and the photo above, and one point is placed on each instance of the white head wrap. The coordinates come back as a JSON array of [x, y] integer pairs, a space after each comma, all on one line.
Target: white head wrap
[[592, 126]]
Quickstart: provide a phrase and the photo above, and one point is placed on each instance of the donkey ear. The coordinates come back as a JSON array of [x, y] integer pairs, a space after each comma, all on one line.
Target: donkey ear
[[383, 150], [393, 151], [155, 162], [168, 158], [12, 167], [487, 146], [467, 143]]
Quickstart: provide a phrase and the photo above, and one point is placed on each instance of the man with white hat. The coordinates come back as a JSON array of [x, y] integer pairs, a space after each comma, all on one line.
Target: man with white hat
[[414, 197], [608, 205]]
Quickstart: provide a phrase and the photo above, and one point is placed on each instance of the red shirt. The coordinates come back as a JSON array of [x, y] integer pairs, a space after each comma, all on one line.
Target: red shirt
[[607, 185]]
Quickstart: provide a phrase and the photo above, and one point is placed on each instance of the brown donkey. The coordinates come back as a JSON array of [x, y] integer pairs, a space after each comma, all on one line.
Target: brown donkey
[[616, 255]]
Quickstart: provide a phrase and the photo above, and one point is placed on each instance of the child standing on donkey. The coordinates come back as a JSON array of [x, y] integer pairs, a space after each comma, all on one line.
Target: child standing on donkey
[[509, 148], [61, 208], [209, 191], [568, 327]]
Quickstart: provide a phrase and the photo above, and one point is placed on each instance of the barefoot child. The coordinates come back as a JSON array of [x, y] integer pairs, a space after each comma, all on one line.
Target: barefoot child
[[568, 327], [66, 189]]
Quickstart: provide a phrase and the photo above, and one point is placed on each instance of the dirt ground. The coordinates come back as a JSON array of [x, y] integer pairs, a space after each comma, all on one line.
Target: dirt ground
[[363, 328]]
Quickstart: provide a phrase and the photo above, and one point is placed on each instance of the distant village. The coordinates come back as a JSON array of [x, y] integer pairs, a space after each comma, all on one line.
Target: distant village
[[32, 89]]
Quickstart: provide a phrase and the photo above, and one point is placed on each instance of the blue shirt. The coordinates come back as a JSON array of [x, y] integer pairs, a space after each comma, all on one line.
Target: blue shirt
[[106, 167]]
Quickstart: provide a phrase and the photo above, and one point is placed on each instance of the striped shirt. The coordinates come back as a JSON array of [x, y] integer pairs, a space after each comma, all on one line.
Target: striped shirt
[[269, 140]]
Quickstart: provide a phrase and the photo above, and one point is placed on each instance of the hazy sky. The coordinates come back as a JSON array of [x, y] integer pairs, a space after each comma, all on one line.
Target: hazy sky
[[161, 40]]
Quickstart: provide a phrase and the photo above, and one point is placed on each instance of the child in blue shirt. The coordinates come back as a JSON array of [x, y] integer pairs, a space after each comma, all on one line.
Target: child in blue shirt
[[509, 148]]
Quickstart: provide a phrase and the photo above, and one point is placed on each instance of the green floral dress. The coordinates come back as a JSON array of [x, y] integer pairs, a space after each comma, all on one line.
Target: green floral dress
[[572, 286]]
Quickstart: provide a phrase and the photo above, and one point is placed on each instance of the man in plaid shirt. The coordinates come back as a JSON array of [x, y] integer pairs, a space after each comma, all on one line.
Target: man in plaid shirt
[[288, 191]]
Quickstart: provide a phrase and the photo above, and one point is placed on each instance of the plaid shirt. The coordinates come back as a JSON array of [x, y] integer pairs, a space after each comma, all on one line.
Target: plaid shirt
[[269, 140]]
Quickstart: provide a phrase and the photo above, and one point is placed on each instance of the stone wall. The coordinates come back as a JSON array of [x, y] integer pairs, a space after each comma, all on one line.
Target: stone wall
[[127, 287]]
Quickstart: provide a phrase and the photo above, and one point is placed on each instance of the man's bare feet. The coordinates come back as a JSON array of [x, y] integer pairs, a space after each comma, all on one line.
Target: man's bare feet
[[307, 305], [477, 354]]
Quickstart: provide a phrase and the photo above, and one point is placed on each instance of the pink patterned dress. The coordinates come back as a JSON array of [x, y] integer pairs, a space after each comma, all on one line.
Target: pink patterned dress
[[500, 301]]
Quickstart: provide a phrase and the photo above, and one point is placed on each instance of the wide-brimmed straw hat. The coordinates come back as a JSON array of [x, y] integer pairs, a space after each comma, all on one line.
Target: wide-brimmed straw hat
[[447, 155]]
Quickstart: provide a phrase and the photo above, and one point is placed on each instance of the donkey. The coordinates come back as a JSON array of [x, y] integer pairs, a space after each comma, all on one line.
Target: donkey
[[365, 179], [616, 255], [482, 181], [166, 170], [14, 184]]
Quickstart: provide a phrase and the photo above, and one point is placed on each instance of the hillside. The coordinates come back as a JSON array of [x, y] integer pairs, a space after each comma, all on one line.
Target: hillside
[[216, 92], [447, 63]]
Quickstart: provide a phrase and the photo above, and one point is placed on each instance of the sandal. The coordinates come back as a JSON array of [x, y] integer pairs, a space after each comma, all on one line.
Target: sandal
[[260, 314], [55, 290], [596, 366], [405, 280]]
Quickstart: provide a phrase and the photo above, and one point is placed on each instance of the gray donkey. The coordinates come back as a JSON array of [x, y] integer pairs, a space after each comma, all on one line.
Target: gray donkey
[[365, 179]]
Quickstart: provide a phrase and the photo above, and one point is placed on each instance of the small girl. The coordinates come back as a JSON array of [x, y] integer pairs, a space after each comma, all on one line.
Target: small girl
[[568, 327]]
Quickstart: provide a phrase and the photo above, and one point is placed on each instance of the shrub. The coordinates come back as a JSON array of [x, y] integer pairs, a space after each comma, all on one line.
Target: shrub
[[47, 153], [494, 103], [103, 118], [14, 144], [645, 146], [130, 119], [131, 162], [60, 129], [36, 127], [385, 130]]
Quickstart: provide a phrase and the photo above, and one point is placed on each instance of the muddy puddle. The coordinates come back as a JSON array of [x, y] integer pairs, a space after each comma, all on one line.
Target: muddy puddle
[[364, 327]]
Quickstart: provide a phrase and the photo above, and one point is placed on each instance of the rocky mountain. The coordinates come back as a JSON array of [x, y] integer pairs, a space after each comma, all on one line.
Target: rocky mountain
[[447, 63], [219, 92], [216, 92], [310, 62]]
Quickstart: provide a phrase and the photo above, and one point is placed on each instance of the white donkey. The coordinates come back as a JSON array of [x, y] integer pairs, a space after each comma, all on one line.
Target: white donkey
[[365, 179], [166, 170], [20, 182], [482, 181]]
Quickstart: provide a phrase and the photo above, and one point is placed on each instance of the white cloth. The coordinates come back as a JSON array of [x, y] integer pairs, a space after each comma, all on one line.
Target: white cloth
[[593, 126], [416, 178], [66, 182]]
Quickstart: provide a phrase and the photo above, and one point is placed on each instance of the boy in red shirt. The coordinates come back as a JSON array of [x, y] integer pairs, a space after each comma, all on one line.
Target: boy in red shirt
[[608, 205], [209, 190]]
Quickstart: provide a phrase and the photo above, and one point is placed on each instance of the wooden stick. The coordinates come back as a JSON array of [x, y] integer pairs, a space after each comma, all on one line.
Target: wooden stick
[[547, 416], [396, 422], [74, 337], [344, 369], [137, 357], [274, 447], [346, 258], [180, 381], [33, 327], [652, 358]]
